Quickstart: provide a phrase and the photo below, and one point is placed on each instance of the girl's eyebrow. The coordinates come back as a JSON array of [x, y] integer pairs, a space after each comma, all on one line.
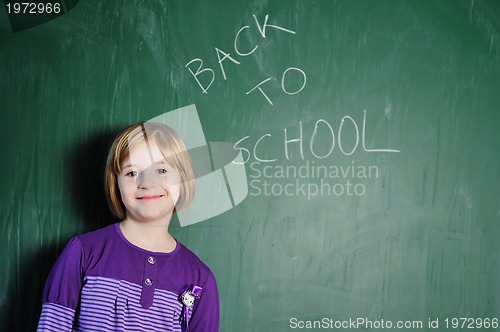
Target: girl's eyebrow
[[161, 162]]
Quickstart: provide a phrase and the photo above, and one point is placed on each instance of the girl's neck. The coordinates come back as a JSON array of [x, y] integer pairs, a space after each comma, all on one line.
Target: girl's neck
[[150, 236]]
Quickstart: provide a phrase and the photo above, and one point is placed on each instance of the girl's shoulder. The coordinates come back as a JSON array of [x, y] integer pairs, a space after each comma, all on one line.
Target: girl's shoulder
[[96, 242], [193, 263], [100, 235]]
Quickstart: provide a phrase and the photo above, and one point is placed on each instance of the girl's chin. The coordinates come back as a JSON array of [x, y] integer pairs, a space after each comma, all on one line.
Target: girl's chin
[[152, 217]]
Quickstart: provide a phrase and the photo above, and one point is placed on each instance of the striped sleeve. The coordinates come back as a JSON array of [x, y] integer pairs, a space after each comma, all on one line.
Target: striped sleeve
[[55, 318], [61, 295]]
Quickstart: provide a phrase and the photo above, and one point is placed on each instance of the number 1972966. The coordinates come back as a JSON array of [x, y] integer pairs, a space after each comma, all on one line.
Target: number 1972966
[[471, 323], [33, 8]]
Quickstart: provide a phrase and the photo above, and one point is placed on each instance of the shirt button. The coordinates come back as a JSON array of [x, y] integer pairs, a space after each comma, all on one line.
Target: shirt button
[[148, 282], [151, 260]]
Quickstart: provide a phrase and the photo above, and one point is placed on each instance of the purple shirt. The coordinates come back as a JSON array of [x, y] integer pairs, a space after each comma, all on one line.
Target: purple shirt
[[102, 282]]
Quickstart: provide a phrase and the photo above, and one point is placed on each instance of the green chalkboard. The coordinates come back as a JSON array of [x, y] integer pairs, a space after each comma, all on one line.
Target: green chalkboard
[[369, 132]]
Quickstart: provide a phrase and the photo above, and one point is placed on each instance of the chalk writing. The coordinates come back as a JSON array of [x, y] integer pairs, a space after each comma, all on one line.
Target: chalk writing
[[334, 140], [304, 80], [205, 76]]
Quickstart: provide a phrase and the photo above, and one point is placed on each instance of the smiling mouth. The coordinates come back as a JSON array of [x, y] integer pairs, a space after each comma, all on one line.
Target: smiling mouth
[[150, 197]]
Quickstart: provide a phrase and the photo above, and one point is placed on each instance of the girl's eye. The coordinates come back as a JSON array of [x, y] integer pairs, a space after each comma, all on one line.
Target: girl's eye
[[161, 171], [132, 173]]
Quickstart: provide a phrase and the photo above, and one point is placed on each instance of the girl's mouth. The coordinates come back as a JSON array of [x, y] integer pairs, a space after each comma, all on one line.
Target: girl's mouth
[[150, 197]]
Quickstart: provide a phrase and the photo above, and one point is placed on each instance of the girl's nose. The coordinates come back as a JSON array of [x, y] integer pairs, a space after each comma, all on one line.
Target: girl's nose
[[147, 179]]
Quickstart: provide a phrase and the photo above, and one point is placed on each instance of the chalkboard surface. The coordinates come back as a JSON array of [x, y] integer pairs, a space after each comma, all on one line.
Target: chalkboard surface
[[369, 132]]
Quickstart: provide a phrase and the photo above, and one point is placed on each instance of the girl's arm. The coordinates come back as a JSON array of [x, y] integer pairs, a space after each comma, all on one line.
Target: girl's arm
[[205, 317], [62, 290]]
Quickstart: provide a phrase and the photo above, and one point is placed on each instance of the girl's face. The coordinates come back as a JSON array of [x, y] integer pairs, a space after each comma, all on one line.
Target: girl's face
[[149, 186]]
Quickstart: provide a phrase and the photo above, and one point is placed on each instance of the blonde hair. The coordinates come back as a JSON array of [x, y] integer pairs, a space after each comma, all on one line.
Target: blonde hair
[[172, 148]]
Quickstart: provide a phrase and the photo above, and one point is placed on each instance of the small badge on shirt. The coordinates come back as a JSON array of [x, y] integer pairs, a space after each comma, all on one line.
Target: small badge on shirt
[[188, 296]]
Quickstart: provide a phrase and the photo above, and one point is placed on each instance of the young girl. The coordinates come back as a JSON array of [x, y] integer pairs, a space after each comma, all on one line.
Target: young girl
[[133, 275]]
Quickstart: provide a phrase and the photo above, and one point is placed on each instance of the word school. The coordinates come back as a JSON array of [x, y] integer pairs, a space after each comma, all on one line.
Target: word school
[[335, 139]]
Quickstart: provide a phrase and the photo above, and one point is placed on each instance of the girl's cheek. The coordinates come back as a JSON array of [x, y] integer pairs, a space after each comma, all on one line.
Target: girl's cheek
[[127, 184], [174, 191]]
